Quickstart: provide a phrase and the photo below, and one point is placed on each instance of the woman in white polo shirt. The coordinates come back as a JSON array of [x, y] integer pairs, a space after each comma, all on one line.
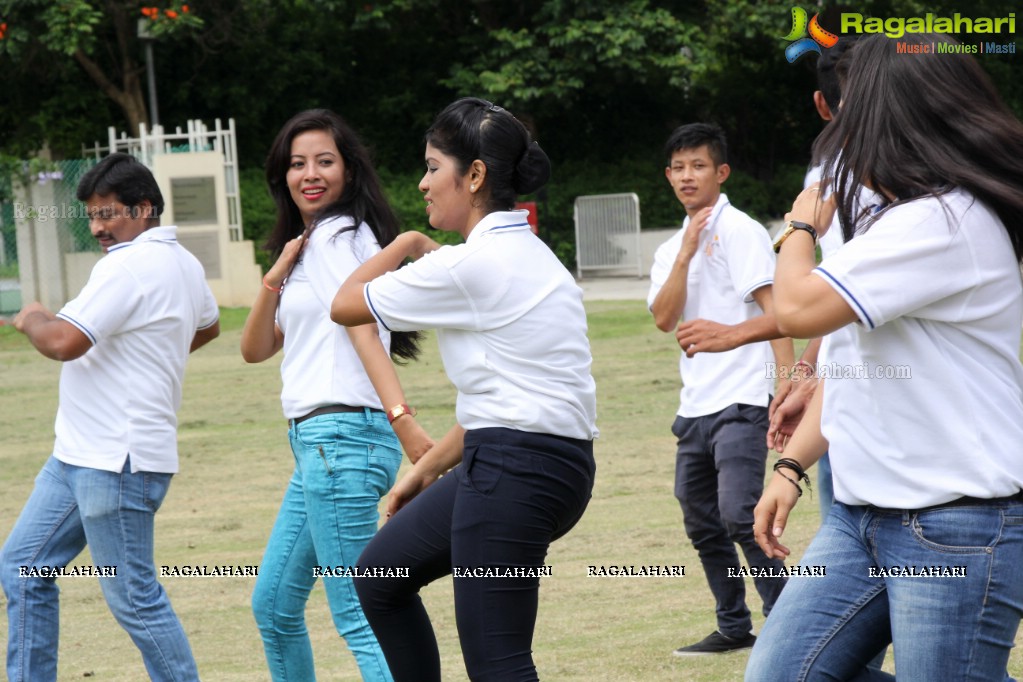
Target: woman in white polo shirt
[[512, 333], [331, 216], [922, 403]]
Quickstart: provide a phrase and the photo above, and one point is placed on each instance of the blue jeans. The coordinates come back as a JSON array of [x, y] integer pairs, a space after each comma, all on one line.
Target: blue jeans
[[943, 628], [719, 476], [512, 495], [344, 464], [825, 488], [826, 498], [70, 507]]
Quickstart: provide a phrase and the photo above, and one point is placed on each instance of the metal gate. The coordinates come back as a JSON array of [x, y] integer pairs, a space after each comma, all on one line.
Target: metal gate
[[607, 233]]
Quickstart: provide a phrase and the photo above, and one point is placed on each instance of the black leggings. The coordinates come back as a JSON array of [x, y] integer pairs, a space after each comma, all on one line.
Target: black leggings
[[512, 495]]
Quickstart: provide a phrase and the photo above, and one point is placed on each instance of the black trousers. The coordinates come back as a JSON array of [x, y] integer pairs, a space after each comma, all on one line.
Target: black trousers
[[512, 495]]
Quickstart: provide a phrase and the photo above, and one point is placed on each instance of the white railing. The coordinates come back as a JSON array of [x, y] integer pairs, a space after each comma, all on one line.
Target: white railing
[[196, 138]]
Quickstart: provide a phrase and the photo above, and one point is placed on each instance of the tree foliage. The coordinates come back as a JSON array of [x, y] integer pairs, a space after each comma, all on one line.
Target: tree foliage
[[102, 38], [600, 82]]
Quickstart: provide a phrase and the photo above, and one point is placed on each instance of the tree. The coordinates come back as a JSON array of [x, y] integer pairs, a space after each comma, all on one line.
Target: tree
[[103, 40]]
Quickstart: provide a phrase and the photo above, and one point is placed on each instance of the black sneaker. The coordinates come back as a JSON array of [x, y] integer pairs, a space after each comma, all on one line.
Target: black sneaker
[[716, 643]]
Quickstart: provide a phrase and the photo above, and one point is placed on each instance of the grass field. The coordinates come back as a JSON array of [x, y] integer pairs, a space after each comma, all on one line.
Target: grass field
[[235, 464]]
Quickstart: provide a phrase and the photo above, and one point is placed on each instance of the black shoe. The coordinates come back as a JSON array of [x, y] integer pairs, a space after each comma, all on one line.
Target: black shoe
[[716, 643]]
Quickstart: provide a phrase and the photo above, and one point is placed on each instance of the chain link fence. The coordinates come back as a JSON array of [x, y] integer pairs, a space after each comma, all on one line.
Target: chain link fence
[[40, 226]]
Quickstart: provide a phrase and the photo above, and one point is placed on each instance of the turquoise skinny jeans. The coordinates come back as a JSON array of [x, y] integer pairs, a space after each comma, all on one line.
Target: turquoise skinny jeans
[[344, 464]]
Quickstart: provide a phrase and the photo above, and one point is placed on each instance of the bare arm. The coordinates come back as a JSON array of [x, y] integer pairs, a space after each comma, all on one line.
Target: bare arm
[[55, 338], [707, 336], [349, 307], [780, 496], [784, 352], [805, 305], [671, 299], [793, 396], [431, 466], [414, 439], [204, 336], [261, 337]]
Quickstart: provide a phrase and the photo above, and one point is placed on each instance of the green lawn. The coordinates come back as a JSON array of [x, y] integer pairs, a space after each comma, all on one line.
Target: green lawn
[[235, 464]]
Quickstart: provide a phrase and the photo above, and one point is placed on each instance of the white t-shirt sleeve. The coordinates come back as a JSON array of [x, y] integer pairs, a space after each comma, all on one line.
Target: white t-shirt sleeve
[[106, 302], [422, 295], [903, 265], [664, 260], [210, 311], [750, 259]]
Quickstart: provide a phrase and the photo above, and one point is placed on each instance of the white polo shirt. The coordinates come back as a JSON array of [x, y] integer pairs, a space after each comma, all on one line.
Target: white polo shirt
[[510, 325], [320, 365], [734, 259], [923, 403], [141, 308]]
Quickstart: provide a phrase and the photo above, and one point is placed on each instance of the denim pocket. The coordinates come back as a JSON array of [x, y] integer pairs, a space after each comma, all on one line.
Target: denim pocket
[[154, 489], [958, 530], [382, 463]]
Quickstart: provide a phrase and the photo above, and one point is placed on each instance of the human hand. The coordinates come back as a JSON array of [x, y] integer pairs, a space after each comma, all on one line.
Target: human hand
[[782, 392], [33, 308], [810, 208], [691, 239], [705, 336], [416, 244], [414, 482], [789, 413], [415, 441], [280, 270], [772, 513]]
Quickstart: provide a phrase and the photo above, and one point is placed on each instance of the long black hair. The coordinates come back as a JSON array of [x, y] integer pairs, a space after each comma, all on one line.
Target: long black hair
[[362, 198], [920, 124], [473, 128]]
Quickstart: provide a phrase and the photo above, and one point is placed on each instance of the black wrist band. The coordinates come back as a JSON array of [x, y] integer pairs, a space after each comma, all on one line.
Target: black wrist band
[[793, 465]]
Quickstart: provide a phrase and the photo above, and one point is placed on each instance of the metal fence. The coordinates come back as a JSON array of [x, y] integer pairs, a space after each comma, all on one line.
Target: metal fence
[[46, 208], [196, 137], [607, 233]]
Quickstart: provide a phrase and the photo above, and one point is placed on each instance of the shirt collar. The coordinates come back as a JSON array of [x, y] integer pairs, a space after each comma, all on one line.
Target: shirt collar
[[503, 221], [160, 233], [719, 206]]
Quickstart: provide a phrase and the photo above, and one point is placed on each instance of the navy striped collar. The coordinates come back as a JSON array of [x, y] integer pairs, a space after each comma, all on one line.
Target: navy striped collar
[[500, 221]]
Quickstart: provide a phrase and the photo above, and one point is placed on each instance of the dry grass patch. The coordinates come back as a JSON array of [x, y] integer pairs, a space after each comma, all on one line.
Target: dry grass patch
[[235, 464]]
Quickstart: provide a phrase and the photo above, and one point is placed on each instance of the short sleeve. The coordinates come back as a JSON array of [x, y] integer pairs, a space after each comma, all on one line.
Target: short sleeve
[[903, 265], [210, 310], [106, 302], [426, 294], [750, 258], [664, 260]]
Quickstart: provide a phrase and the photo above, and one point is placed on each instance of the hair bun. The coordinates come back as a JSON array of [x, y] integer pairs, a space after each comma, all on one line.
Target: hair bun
[[532, 171]]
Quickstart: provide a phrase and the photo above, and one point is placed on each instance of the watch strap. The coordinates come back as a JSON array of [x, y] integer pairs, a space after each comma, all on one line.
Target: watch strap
[[400, 411], [791, 227]]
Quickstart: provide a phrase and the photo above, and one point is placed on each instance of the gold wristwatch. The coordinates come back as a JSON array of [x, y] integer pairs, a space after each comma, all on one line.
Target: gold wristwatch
[[791, 227]]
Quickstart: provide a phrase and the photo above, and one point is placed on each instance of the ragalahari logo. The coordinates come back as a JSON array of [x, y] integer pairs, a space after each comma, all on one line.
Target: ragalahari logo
[[819, 37]]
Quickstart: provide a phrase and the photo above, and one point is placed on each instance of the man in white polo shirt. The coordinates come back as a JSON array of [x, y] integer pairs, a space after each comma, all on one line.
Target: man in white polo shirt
[[716, 274], [124, 341]]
